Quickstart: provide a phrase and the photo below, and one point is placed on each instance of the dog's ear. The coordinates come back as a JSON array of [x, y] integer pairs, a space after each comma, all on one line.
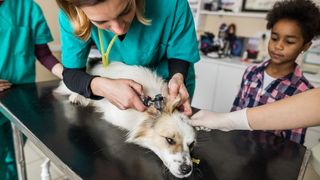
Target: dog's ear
[[153, 112], [140, 132], [171, 105]]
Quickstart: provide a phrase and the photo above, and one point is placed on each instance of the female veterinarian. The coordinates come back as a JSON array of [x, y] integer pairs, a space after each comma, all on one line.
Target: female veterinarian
[[158, 34], [24, 35]]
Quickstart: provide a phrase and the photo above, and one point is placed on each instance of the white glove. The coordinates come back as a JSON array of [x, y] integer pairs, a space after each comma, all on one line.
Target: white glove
[[206, 120]]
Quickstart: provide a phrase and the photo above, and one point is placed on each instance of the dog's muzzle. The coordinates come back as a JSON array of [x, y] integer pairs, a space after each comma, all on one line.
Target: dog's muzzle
[[185, 168]]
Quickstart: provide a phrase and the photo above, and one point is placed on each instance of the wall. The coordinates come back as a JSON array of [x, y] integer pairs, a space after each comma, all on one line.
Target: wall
[[246, 26], [50, 10]]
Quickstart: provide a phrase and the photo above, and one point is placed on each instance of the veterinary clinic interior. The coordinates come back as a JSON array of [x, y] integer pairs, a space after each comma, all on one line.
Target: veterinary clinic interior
[[159, 89]]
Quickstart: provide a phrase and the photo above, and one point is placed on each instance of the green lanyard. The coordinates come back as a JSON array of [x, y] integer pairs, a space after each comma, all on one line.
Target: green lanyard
[[105, 56]]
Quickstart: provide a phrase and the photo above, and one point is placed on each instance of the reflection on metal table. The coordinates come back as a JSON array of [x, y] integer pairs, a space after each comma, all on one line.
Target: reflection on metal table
[[85, 147]]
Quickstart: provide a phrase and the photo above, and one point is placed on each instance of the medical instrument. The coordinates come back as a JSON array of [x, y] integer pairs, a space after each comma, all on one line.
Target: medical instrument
[[105, 56]]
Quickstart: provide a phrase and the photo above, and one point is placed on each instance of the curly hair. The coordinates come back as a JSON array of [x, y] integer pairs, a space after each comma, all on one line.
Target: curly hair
[[305, 12]]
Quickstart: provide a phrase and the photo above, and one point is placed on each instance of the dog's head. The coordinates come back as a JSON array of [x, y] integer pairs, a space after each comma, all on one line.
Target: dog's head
[[169, 136]]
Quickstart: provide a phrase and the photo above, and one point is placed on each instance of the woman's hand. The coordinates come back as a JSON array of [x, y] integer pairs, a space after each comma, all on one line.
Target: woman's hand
[[57, 70], [123, 93], [206, 120], [4, 84], [176, 87]]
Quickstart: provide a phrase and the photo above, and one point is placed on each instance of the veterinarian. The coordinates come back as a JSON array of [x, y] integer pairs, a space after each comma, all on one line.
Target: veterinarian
[[158, 34], [24, 36], [302, 110]]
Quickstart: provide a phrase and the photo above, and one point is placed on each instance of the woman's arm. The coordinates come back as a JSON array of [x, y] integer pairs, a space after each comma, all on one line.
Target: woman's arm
[[57, 70], [301, 110], [123, 93], [46, 58], [78, 80]]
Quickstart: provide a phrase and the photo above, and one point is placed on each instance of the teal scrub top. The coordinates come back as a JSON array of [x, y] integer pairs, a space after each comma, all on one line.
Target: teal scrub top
[[22, 26], [170, 35]]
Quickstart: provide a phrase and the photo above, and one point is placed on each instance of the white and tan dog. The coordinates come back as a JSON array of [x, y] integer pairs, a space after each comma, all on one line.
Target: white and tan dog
[[166, 133]]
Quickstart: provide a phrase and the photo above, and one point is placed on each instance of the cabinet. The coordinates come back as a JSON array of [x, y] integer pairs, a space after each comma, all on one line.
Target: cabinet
[[228, 84], [217, 83], [312, 137], [206, 74], [313, 134]]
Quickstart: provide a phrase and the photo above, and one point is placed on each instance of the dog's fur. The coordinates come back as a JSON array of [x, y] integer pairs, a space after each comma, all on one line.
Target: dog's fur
[[166, 133]]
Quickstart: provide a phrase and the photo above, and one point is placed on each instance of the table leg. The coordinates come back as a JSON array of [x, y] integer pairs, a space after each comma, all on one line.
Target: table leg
[[304, 164], [19, 154]]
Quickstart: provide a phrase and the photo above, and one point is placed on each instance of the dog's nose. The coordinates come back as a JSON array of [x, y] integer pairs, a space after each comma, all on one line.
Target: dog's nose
[[185, 169]]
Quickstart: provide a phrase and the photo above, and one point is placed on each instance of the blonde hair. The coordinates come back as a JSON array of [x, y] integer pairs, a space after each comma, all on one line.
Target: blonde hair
[[81, 23]]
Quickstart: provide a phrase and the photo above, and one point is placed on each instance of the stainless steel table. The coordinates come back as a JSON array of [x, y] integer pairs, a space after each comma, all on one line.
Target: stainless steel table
[[85, 147]]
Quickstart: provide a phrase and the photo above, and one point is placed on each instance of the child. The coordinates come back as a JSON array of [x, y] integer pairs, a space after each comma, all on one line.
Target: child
[[24, 37], [293, 24]]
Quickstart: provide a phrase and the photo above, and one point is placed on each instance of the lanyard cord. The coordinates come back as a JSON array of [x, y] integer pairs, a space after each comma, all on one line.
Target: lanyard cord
[[105, 56]]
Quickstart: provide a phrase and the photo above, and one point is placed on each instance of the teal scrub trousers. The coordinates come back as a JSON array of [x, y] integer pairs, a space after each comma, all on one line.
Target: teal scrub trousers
[[8, 169]]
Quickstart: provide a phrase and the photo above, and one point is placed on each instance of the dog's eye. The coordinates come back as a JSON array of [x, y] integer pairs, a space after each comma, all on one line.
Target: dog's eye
[[191, 145], [170, 141]]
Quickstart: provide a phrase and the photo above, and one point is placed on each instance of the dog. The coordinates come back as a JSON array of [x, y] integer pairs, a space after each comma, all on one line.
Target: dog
[[165, 132]]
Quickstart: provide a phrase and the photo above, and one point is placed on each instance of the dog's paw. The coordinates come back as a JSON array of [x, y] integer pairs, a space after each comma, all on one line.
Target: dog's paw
[[75, 98], [62, 89]]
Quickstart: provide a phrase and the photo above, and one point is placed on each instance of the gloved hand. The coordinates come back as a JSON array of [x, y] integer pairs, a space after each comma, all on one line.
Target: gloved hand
[[207, 120]]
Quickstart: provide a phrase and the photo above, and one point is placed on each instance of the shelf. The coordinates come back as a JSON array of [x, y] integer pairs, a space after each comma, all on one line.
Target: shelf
[[193, 6], [193, 1], [240, 14]]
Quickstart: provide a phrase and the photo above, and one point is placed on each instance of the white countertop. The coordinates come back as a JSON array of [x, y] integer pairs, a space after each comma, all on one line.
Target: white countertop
[[236, 62]]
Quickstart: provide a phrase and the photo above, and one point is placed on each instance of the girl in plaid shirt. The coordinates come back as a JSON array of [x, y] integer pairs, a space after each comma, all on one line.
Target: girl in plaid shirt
[[293, 24]]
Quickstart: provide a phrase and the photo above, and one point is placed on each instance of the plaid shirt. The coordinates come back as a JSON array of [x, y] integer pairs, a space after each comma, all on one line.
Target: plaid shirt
[[251, 94]]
